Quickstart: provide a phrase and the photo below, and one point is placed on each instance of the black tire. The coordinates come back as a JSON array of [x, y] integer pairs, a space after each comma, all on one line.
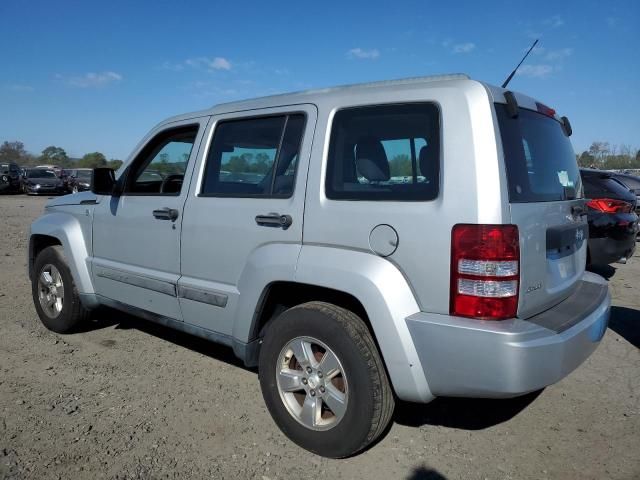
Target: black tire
[[72, 312], [370, 400]]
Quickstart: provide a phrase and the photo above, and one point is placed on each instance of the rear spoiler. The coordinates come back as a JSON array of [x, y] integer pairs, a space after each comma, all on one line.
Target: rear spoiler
[[512, 109]]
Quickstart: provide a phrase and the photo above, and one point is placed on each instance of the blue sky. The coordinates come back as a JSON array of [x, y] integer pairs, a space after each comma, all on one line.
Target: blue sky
[[89, 75]]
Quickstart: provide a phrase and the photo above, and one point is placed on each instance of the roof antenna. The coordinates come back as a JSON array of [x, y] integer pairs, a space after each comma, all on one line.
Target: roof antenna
[[506, 82]]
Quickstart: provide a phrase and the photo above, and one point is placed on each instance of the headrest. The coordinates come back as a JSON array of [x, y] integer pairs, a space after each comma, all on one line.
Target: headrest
[[428, 159], [371, 160]]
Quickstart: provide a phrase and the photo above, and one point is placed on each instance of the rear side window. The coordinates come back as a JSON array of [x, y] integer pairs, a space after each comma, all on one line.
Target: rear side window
[[254, 157], [540, 161], [385, 152]]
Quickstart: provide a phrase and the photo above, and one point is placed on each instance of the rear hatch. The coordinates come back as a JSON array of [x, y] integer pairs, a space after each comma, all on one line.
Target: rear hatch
[[545, 196]]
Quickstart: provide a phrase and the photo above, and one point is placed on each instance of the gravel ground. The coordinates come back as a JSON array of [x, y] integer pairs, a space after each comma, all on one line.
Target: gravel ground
[[128, 399]]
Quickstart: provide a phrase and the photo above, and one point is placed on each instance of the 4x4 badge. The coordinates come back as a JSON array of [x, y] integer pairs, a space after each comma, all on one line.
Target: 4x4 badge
[[579, 235]]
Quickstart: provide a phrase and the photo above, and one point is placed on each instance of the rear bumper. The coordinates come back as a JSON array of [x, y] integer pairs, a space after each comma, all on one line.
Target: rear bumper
[[473, 358], [604, 251]]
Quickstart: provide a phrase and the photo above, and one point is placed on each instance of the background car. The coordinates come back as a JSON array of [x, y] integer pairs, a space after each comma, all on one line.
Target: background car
[[9, 177], [43, 181], [613, 225], [632, 182], [80, 181]]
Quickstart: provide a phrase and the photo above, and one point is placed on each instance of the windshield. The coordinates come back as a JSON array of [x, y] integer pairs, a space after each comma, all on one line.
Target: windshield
[[84, 175], [4, 168], [540, 161], [40, 173]]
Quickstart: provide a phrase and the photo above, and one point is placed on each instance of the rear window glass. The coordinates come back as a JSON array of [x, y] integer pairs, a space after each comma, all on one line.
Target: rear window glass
[[540, 161], [597, 186], [385, 152], [630, 182]]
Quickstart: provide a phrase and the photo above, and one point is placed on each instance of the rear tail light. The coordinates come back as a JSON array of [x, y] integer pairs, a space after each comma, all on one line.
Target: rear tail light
[[485, 274], [610, 205]]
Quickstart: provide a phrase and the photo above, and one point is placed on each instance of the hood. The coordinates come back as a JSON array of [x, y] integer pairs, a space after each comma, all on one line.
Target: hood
[[74, 199]]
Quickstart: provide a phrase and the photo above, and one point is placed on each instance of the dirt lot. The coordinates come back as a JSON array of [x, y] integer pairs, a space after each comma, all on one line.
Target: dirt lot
[[127, 399]]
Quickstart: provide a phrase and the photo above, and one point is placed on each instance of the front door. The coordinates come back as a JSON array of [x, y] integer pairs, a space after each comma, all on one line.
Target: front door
[[136, 236], [244, 214]]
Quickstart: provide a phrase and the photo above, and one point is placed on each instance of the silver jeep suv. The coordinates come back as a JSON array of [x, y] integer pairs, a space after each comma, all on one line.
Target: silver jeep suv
[[405, 239]]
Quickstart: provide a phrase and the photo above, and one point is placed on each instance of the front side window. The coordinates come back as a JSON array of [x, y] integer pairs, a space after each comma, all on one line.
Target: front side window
[[159, 169], [254, 157], [385, 152]]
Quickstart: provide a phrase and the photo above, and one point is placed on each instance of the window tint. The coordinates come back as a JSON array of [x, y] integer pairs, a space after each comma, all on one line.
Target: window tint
[[385, 152], [254, 157], [160, 167], [539, 158]]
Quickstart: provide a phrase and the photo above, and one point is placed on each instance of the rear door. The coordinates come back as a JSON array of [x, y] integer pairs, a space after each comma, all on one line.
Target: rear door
[[245, 211], [545, 194]]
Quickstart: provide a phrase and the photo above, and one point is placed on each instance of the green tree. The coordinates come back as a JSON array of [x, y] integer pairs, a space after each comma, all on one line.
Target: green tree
[[54, 155], [400, 166], [114, 163], [586, 159], [92, 160], [237, 163], [14, 152]]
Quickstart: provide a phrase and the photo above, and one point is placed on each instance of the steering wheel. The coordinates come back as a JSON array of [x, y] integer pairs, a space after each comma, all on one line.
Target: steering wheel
[[168, 180]]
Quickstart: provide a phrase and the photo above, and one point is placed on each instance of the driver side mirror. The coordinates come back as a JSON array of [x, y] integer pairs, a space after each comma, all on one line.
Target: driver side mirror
[[104, 181]]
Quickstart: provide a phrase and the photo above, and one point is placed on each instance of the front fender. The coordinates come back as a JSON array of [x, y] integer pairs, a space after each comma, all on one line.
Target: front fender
[[388, 301], [68, 231]]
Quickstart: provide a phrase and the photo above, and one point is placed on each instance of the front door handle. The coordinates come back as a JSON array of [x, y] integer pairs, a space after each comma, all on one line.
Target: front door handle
[[274, 220], [166, 214]]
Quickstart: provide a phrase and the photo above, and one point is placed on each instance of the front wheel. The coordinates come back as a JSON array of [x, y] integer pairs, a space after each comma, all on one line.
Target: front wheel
[[323, 380], [54, 293]]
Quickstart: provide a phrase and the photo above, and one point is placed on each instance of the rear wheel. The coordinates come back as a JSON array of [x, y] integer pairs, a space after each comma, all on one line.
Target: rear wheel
[[323, 380], [54, 293]]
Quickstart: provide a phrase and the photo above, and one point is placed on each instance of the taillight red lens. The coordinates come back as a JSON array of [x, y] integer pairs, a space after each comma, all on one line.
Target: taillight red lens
[[610, 205], [485, 272]]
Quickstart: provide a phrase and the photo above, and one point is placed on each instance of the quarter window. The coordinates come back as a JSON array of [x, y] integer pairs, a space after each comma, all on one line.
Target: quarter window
[[254, 157], [385, 152]]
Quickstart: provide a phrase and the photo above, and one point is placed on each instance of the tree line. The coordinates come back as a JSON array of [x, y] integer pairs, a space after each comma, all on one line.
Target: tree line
[[16, 152], [600, 154], [605, 156]]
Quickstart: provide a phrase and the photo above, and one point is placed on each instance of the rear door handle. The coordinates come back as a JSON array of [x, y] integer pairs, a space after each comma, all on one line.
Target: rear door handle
[[166, 214], [274, 220]]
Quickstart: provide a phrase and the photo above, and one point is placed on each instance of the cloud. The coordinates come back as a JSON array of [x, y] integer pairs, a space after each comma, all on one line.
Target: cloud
[[467, 47], [535, 71], [174, 67], [554, 22], [365, 54], [216, 63], [220, 63], [91, 79], [17, 87], [554, 55]]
